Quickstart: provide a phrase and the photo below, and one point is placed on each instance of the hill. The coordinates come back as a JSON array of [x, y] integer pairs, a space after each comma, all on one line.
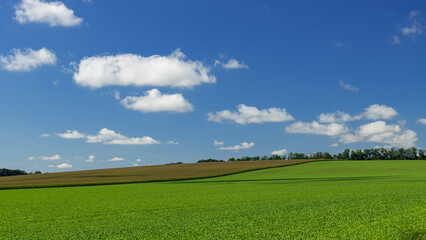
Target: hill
[[319, 200], [139, 174]]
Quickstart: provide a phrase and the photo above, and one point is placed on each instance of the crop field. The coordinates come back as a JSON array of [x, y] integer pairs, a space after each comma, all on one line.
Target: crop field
[[318, 200], [139, 174]]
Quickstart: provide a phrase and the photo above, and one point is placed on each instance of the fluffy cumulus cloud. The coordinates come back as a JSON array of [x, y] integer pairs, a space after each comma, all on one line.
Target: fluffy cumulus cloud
[[90, 159], [421, 121], [373, 112], [64, 165], [247, 114], [377, 111], [54, 13], [116, 159], [331, 129], [218, 143], [243, 145], [71, 134], [27, 59], [50, 158], [155, 101], [333, 124], [348, 87], [231, 64], [335, 117], [135, 70], [108, 136], [281, 152], [381, 132]]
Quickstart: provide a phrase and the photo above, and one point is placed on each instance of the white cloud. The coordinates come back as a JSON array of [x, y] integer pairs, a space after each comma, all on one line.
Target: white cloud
[[396, 40], [53, 13], [243, 145], [108, 136], [45, 135], [218, 143], [373, 112], [173, 143], [72, 134], [347, 86], [90, 159], [414, 28], [30, 158], [421, 121], [51, 166], [336, 117], [155, 101], [135, 165], [281, 152], [231, 64], [27, 59], [332, 129], [138, 160], [377, 111], [334, 145], [248, 114], [380, 132], [116, 159], [51, 158], [64, 165], [136, 70]]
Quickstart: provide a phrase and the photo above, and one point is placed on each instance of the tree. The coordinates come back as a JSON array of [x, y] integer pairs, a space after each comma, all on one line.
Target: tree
[[327, 155], [346, 154], [422, 155]]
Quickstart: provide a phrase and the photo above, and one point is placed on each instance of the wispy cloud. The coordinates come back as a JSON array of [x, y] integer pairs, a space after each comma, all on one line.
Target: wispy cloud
[[243, 145], [231, 64], [116, 159], [421, 121], [50, 158], [348, 87], [109, 137]]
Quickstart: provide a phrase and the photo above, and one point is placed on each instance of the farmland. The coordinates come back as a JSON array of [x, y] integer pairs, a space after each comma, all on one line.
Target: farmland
[[139, 174], [318, 200]]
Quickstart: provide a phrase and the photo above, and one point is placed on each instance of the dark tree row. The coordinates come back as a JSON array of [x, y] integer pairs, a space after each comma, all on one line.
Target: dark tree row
[[14, 172], [209, 160], [371, 154], [347, 154]]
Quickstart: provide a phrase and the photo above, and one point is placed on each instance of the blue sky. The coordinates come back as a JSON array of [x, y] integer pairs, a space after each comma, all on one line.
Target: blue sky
[[102, 84]]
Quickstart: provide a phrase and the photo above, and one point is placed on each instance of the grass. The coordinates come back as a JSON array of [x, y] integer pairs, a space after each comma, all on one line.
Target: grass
[[319, 200], [155, 173]]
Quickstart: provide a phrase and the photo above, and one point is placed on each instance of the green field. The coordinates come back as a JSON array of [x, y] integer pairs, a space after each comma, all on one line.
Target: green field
[[319, 200]]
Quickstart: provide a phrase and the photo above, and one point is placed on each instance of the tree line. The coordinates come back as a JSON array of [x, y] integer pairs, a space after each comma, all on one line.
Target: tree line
[[347, 154], [14, 172]]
